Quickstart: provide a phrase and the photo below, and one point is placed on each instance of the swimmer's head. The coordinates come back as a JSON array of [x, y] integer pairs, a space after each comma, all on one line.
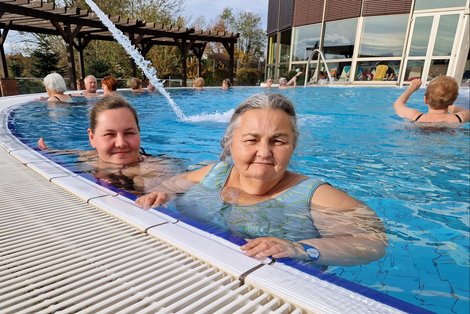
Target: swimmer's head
[[282, 81], [135, 83], [110, 102], [441, 92], [259, 101], [55, 83]]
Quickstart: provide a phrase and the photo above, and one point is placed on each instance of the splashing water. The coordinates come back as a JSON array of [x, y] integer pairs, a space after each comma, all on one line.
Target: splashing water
[[134, 53], [223, 117]]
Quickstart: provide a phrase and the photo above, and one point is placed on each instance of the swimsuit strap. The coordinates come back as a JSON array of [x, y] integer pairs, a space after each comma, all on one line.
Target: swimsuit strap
[[57, 98], [458, 117], [144, 153], [417, 118]]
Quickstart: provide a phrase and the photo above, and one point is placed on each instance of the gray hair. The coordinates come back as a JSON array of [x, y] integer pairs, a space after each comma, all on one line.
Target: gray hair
[[282, 81], [54, 82], [88, 78], [258, 101]]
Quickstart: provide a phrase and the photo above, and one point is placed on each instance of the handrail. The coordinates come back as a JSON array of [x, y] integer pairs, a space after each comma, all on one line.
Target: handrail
[[324, 62]]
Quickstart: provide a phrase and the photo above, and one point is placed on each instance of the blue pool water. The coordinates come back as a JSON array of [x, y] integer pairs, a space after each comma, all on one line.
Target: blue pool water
[[416, 180]]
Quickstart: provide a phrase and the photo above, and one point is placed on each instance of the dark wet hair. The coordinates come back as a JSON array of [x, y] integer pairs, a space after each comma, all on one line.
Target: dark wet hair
[[258, 101], [228, 82], [110, 102]]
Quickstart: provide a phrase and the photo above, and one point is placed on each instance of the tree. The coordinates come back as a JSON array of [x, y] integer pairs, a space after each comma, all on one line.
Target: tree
[[44, 59], [251, 41], [248, 25], [17, 65]]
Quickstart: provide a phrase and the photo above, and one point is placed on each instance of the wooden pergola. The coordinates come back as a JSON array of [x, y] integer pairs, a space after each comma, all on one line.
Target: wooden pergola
[[78, 27]]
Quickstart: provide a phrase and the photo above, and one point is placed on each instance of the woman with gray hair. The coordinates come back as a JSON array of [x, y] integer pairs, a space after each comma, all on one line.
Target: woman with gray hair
[[55, 87], [279, 213]]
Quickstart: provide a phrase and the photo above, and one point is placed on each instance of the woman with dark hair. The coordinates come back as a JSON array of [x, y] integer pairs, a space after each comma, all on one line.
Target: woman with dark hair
[[117, 158]]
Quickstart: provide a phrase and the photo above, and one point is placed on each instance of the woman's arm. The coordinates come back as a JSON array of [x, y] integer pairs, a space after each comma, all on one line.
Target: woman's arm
[[401, 109], [83, 155], [172, 186], [351, 233], [463, 113], [293, 81]]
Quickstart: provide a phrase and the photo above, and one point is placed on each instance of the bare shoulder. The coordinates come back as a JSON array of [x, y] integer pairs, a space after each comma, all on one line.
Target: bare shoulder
[[329, 196], [199, 174]]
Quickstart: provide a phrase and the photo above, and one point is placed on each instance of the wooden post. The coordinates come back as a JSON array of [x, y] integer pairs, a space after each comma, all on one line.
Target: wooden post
[[230, 47], [3, 59]]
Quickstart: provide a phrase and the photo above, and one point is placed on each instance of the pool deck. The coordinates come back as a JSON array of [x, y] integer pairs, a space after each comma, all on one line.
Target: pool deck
[[69, 244]]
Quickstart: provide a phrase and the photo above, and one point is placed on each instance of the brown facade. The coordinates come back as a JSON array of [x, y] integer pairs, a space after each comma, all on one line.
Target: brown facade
[[283, 14], [273, 16], [342, 9], [308, 12], [287, 13], [280, 15], [386, 7]]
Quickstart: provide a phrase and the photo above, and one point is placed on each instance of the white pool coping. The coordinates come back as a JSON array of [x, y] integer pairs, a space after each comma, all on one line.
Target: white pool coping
[[306, 291]]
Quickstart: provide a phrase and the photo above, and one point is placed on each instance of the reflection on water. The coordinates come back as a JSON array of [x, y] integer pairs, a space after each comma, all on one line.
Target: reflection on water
[[417, 181]]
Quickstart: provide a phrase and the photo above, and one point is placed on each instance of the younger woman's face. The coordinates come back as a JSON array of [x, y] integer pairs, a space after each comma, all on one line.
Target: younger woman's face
[[116, 137]]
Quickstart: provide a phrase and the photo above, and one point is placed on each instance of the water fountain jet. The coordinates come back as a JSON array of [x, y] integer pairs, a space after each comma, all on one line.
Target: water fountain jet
[[134, 53]]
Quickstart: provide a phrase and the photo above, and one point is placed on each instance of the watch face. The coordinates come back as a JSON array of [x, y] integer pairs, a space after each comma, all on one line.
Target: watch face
[[313, 253]]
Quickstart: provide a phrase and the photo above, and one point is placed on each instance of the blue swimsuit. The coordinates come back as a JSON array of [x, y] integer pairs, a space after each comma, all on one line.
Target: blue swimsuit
[[286, 216]]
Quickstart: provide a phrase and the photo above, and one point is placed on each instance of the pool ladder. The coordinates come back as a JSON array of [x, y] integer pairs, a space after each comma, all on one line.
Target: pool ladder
[[330, 80]]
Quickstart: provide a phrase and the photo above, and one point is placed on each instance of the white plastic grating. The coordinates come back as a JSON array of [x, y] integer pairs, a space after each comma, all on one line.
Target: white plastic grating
[[59, 254]]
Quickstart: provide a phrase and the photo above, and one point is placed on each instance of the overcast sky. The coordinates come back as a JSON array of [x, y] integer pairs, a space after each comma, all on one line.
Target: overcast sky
[[210, 9], [193, 9]]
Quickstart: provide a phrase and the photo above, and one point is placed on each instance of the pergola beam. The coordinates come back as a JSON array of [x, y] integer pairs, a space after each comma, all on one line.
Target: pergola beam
[[78, 27]]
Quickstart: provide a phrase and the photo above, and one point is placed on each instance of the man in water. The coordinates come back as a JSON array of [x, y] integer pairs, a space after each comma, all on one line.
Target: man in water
[[91, 86]]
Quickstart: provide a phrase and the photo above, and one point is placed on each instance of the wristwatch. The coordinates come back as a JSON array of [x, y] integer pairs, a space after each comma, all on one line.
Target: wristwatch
[[311, 251]]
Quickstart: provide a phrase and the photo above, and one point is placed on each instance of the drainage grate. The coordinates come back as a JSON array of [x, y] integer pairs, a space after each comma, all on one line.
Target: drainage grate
[[58, 254]]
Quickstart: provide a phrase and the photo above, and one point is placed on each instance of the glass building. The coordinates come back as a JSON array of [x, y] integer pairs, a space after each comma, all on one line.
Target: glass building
[[386, 42]]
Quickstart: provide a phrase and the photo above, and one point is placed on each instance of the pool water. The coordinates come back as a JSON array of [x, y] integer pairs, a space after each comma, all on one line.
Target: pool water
[[416, 180]]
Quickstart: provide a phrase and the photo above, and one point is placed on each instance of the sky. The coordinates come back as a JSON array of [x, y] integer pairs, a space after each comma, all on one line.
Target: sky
[[210, 9], [192, 9]]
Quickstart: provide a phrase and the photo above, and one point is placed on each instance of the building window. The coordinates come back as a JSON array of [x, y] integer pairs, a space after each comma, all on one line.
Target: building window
[[466, 74], [438, 68], [283, 70], [285, 46], [272, 49], [339, 71], [377, 71], [339, 39], [383, 36], [270, 72], [414, 69], [306, 39], [445, 35], [421, 32], [437, 4]]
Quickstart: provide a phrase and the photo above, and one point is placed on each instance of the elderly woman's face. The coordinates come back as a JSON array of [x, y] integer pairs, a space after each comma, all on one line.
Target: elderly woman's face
[[263, 144]]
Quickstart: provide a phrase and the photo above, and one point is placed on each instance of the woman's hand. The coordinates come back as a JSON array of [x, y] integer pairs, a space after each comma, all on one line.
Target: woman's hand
[[152, 199], [41, 144], [260, 248], [415, 84]]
